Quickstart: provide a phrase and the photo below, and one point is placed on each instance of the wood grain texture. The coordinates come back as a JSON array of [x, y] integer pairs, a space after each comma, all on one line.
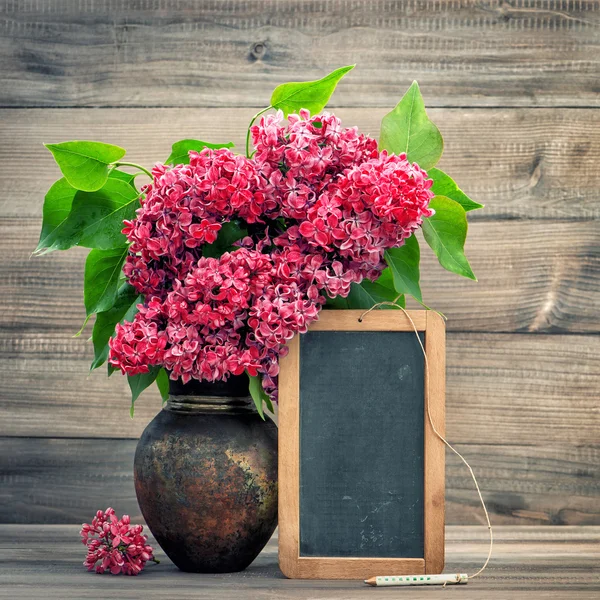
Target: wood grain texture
[[501, 388], [530, 563], [233, 53], [547, 483], [289, 466], [67, 480], [522, 406], [357, 320], [520, 163], [435, 426], [534, 276]]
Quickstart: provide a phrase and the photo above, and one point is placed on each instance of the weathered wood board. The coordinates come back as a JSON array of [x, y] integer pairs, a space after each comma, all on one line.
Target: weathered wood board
[[65, 480], [521, 163], [533, 276], [501, 388], [530, 563], [513, 86], [157, 53]]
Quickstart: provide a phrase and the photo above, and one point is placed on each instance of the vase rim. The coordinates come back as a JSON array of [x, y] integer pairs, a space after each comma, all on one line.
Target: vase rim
[[192, 403]]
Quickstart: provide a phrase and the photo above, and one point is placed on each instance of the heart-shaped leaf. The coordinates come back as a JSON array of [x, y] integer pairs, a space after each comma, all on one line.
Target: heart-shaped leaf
[[408, 129], [90, 219], [123, 176], [312, 95], [386, 279], [446, 232], [124, 309], [259, 395], [84, 163], [404, 265], [162, 382], [444, 185], [179, 151], [366, 295], [57, 206], [138, 383], [101, 278], [96, 218]]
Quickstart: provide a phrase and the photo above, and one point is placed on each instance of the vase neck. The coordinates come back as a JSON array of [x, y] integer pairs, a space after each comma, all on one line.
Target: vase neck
[[236, 386], [224, 397], [191, 404]]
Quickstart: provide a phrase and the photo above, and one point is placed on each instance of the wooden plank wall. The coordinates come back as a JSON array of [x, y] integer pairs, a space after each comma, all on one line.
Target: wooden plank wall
[[513, 86]]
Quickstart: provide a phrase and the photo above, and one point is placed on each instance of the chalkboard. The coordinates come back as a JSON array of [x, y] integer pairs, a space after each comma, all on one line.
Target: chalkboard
[[361, 475], [361, 493]]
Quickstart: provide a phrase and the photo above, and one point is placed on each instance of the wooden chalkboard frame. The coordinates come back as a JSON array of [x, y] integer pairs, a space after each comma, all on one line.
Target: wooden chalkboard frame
[[301, 567]]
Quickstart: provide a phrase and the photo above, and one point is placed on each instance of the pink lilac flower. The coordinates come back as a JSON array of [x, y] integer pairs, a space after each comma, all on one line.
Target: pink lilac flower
[[115, 545], [231, 314], [370, 208], [138, 344], [303, 156], [320, 206], [184, 209]]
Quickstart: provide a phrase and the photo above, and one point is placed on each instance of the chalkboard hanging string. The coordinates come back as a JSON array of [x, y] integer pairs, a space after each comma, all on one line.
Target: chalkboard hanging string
[[446, 442]]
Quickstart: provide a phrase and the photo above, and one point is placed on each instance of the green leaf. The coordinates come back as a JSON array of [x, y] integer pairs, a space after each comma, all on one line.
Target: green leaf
[[312, 95], [85, 164], [444, 185], [179, 150], [124, 309], [96, 218], [386, 279], [138, 383], [408, 129], [102, 270], [230, 232], [366, 295], [404, 265], [446, 232], [57, 206], [337, 303], [259, 395], [123, 176], [162, 382]]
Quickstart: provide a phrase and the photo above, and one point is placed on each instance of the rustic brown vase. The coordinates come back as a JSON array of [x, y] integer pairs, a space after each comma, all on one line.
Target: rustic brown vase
[[206, 477]]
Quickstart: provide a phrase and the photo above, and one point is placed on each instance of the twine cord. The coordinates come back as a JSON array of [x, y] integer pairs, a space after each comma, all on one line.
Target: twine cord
[[433, 427]]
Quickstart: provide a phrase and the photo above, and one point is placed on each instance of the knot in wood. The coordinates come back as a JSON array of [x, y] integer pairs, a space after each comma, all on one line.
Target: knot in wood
[[258, 50]]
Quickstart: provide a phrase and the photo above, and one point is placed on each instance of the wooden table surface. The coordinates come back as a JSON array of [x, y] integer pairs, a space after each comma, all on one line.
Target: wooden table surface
[[44, 561]]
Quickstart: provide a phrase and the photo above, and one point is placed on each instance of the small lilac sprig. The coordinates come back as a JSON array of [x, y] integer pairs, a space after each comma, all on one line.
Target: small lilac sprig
[[117, 545]]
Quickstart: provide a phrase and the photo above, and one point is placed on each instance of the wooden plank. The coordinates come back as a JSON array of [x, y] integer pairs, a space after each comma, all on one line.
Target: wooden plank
[[500, 388], [534, 276], [352, 320], [546, 484], [520, 52], [289, 463], [520, 163], [529, 564], [435, 426], [66, 480]]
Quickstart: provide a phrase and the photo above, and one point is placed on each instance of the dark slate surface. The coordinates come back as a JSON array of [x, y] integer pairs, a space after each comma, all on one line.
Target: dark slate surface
[[361, 444]]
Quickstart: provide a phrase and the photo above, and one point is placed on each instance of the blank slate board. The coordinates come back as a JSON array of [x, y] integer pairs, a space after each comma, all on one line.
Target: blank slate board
[[361, 492], [361, 474]]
